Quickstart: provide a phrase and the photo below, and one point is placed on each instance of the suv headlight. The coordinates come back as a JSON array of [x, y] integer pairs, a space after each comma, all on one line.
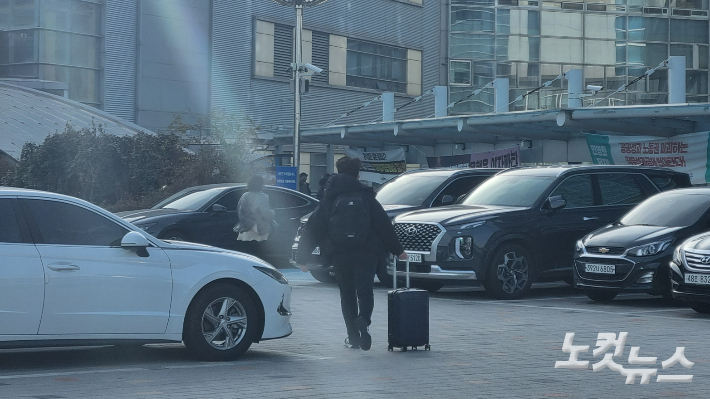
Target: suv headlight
[[650, 249], [463, 247], [579, 247]]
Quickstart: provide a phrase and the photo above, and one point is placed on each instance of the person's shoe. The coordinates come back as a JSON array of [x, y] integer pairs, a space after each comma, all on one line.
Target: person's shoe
[[351, 344], [365, 338]]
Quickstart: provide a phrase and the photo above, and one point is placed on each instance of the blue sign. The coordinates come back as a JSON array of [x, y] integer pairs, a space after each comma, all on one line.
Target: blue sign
[[286, 177]]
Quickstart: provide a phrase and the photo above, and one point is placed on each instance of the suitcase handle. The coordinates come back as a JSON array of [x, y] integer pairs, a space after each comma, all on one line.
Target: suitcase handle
[[394, 283]]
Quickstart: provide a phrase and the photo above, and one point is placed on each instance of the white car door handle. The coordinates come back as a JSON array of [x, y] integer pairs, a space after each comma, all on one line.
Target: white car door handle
[[62, 267], [586, 219]]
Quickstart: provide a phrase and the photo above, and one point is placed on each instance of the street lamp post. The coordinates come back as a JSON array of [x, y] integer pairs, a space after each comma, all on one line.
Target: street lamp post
[[298, 68]]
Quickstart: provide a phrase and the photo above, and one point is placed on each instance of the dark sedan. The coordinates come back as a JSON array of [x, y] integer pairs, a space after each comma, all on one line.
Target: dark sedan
[[207, 214], [633, 254]]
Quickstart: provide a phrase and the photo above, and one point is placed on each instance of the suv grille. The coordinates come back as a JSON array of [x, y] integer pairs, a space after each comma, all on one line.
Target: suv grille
[[417, 236], [695, 260], [607, 250]]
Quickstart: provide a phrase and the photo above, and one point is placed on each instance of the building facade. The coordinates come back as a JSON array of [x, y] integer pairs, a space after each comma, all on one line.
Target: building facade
[[613, 42]]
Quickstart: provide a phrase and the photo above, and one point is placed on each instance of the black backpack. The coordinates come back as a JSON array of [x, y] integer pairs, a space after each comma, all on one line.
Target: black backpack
[[349, 221]]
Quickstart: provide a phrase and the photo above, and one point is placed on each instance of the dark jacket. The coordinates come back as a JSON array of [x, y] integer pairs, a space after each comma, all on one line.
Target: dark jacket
[[381, 238], [305, 188], [322, 183]]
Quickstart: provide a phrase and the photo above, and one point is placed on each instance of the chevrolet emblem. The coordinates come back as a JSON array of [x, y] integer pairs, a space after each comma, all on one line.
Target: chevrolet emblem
[[603, 250]]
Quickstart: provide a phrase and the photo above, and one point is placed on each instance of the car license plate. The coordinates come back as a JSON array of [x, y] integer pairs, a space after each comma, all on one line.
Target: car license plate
[[316, 251], [602, 269], [415, 258], [702, 279]]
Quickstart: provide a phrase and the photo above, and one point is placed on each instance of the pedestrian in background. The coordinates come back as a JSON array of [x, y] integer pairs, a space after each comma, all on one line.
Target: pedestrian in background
[[255, 216], [351, 228], [303, 185], [322, 183]]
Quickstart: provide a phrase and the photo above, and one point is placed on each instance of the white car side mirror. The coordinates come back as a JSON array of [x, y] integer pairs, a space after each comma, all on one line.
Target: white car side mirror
[[133, 240]]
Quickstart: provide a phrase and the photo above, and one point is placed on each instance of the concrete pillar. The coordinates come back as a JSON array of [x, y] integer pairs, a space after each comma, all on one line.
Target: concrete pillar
[[330, 158], [502, 94], [676, 80], [387, 107], [575, 87], [441, 101]]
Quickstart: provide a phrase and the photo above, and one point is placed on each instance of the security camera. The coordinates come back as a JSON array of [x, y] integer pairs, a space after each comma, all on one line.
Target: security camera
[[313, 68], [594, 88]]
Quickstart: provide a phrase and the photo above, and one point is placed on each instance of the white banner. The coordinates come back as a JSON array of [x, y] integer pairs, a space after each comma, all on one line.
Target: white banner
[[504, 158], [685, 153], [380, 166]]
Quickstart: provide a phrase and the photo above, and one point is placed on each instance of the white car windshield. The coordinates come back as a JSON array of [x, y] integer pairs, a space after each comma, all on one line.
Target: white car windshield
[[509, 190]]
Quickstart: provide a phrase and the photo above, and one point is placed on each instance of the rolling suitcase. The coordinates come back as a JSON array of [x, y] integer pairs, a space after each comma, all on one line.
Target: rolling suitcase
[[408, 316]]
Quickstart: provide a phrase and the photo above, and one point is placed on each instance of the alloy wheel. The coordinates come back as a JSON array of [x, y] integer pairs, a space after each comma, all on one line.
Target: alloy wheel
[[513, 273], [224, 323]]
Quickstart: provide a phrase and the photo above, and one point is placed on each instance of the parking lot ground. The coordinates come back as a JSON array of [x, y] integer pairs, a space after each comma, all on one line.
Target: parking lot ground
[[480, 348]]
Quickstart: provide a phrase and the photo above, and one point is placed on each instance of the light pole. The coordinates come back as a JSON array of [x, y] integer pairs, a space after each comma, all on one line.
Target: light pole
[[298, 68]]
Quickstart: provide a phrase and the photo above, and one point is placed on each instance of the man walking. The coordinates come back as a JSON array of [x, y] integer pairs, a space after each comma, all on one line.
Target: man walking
[[303, 185], [351, 228]]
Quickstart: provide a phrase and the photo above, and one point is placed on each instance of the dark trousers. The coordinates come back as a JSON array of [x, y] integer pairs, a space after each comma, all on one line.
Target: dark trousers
[[355, 275]]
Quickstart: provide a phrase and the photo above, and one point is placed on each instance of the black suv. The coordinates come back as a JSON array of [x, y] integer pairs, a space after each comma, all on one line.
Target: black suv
[[521, 225], [633, 254], [418, 189]]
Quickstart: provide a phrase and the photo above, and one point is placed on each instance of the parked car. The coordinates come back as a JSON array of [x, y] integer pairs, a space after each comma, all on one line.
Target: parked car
[[634, 253], [207, 214], [418, 189], [521, 225], [690, 272], [71, 272]]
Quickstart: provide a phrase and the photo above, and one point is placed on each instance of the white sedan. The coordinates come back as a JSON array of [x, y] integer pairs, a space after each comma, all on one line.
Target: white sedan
[[71, 272]]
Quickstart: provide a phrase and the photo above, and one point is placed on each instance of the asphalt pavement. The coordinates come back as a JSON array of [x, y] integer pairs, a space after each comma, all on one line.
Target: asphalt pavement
[[479, 348]]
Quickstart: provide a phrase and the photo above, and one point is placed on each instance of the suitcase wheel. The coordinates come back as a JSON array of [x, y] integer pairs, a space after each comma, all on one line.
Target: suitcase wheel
[[427, 347], [389, 348], [414, 348]]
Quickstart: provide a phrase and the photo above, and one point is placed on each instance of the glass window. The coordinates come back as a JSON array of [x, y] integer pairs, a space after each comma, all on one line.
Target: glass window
[[4, 14], [55, 47], [482, 102], [192, 201], [67, 224], [648, 54], [460, 73], [668, 210], [648, 29], [54, 14], [509, 190], [520, 48], [231, 199], [472, 19], [409, 189], [518, 22], [83, 85], [602, 52], [85, 18], [84, 51], [689, 31], [459, 188], [690, 4], [23, 13], [551, 50], [577, 191], [684, 50], [376, 66], [665, 183], [472, 46], [282, 200], [696, 82], [9, 229], [703, 57], [601, 26], [561, 24], [619, 189], [22, 46]]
